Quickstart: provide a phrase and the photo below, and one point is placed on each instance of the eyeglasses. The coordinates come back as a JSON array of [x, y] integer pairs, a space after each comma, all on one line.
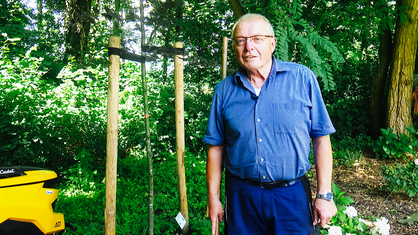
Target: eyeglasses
[[256, 39]]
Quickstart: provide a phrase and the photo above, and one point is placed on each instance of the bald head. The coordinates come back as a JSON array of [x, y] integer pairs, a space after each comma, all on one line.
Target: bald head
[[253, 17]]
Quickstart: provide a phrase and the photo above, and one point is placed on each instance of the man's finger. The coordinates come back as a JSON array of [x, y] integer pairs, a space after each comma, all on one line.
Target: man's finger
[[315, 222], [217, 227]]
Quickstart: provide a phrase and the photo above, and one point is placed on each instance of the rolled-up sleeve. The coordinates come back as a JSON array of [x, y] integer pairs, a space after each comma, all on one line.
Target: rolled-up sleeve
[[321, 122], [215, 132]]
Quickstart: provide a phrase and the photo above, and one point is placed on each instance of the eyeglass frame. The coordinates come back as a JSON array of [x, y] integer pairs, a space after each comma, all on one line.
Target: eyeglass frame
[[250, 37]]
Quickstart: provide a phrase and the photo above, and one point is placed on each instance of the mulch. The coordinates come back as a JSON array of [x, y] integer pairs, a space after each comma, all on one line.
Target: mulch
[[363, 182]]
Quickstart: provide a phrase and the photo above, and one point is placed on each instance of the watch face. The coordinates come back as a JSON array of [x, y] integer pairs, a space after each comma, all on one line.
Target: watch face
[[329, 196]]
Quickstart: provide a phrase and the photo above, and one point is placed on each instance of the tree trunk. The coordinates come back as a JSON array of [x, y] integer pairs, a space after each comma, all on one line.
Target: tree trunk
[[40, 24], [400, 87], [236, 8], [377, 109], [39, 5], [77, 27]]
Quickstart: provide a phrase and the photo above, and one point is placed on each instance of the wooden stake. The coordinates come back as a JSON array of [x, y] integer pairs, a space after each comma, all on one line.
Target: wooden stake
[[224, 57], [223, 67], [112, 138], [179, 105]]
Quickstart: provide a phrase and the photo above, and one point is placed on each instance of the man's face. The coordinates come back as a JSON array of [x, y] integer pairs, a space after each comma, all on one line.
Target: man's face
[[254, 57]]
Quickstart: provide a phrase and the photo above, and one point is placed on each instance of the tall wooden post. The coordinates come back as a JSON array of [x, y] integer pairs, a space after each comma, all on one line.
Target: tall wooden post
[[224, 56], [223, 75], [180, 141], [112, 138]]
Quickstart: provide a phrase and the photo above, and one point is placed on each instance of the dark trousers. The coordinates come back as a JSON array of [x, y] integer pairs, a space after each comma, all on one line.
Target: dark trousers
[[252, 210]]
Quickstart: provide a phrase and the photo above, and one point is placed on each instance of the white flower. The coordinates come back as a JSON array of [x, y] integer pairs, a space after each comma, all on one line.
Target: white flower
[[349, 234], [351, 212], [335, 230], [416, 161], [382, 227]]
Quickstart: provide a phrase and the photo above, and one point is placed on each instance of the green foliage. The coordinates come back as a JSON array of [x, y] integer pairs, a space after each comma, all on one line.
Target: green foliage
[[44, 124], [394, 146], [53, 111], [348, 106], [401, 178], [298, 41], [339, 198], [360, 142], [410, 220], [82, 189], [347, 157], [347, 220], [14, 21]]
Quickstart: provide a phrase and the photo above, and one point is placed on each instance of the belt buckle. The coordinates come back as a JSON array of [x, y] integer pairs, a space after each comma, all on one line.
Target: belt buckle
[[266, 185]]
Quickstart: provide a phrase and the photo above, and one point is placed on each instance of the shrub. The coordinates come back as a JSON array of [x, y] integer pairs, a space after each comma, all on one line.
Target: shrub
[[402, 178], [348, 221], [394, 146]]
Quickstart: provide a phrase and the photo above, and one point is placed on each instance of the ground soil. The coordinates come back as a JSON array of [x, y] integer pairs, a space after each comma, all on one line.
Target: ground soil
[[363, 182]]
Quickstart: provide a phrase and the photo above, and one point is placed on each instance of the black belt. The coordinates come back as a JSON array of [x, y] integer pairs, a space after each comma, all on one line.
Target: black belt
[[267, 185]]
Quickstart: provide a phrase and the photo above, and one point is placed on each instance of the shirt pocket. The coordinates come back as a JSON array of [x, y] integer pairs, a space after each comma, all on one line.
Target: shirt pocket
[[286, 117]]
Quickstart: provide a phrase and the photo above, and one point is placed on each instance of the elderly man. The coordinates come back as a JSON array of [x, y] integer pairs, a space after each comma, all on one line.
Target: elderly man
[[260, 126]]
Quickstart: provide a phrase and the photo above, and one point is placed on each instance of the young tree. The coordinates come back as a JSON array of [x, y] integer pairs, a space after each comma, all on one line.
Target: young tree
[[405, 47]]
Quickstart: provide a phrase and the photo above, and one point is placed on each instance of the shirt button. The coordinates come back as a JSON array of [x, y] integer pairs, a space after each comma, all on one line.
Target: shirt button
[[264, 177], [262, 159], [260, 140], [258, 120]]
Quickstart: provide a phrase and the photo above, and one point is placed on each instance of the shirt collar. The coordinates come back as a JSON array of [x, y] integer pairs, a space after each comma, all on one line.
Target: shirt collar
[[277, 66]]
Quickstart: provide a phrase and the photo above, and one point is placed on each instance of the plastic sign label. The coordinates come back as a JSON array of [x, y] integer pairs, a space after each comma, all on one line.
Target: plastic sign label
[[180, 220]]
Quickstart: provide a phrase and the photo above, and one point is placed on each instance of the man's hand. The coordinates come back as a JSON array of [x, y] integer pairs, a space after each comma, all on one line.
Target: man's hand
[[323, 211], [214, 177], [215, 214]]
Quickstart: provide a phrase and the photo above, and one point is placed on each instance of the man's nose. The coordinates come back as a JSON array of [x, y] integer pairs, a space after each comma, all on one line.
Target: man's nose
[[249, 44]]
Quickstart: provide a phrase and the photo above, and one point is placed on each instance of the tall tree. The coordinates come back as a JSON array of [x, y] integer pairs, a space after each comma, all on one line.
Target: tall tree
[[405, 47], [377, 101]]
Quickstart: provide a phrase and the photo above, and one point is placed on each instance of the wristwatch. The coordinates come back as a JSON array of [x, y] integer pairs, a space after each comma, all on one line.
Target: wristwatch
[[327, 196]]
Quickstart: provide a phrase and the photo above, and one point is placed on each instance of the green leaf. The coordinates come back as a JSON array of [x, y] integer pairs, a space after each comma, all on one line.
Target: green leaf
[[410, 220], [346, 200], [386, 132], [386, 149], [411, 129], [335, 189]]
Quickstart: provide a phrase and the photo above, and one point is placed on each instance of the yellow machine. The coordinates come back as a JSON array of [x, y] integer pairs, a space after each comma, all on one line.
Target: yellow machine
[[27, 200]]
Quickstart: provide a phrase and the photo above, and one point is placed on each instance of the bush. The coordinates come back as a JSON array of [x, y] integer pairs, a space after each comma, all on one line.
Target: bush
[[82, 196], [348, 221], [402, 178], [394, 146]]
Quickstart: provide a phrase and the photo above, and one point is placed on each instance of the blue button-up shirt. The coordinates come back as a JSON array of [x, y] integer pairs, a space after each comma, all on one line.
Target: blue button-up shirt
[[267, 137]]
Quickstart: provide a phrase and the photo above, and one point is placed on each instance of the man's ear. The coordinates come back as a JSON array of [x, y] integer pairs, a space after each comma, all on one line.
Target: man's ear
[[273, 44]]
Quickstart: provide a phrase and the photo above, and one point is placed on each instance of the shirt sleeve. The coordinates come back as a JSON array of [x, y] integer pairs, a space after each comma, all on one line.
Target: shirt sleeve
[[321, 122], [215, 129]]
